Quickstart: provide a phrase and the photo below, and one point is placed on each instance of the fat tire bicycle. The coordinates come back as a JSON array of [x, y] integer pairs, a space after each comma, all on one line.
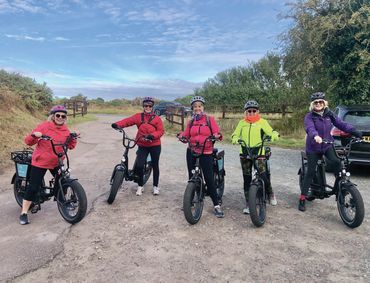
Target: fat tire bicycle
[[121, 171], [349, 200], [257, 195], [65, 190], [196, 189]]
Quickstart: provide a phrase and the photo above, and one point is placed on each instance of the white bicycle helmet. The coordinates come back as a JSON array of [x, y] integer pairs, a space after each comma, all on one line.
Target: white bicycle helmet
[[197, 98]]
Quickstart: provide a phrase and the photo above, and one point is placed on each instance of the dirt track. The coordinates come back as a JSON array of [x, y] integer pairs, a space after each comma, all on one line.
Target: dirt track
[[146, 239]]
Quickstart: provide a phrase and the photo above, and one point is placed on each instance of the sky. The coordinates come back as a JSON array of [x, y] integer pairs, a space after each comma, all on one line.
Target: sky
[[133, 48]]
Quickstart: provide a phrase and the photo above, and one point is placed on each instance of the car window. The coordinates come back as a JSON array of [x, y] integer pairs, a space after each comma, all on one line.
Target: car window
[[358, 118]]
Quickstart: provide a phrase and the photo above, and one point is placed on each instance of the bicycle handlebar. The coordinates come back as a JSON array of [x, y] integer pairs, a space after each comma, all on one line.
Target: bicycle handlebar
[[131, 143], [192, 146]]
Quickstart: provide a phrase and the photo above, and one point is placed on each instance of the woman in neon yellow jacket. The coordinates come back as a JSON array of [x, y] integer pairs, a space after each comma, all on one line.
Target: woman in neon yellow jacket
[[250, 130]]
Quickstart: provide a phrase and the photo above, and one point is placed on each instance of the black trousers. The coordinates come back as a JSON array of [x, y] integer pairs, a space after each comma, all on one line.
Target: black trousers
[[36, 176], [312, 158], [206, 163], [141, 156]]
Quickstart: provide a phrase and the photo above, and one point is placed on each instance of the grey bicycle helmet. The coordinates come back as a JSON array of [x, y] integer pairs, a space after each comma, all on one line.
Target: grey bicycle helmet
[[251, 104], [197, 98], [148, 99], [317, 95]]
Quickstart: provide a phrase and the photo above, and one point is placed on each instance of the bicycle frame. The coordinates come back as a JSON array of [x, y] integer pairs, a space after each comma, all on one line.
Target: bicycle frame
[[255, 154], [319, 183]]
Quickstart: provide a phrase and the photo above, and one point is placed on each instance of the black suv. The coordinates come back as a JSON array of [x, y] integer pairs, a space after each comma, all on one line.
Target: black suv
[[161, 107], [359, 117]]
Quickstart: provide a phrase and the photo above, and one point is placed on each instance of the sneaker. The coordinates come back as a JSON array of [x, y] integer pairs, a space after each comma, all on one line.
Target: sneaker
[[23, 219], [246, 210], [155, 190], [273, 200], [302, 205], [218, 212], [139, 191]]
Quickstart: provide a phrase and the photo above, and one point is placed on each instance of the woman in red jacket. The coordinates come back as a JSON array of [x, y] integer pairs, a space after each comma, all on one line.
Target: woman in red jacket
[[199, 128], [43, 157], [150, 127]]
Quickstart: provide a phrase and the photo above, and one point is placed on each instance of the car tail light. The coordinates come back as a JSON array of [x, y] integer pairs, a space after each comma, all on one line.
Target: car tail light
[[338, 133]]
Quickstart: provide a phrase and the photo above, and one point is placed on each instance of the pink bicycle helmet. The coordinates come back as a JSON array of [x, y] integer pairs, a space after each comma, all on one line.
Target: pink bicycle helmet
[[58, 108]]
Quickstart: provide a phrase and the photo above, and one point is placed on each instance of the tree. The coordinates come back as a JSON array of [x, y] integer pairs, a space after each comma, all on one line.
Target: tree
[[328, 48]]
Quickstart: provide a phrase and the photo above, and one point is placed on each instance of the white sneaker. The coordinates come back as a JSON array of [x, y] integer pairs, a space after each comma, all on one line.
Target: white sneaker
[[155, 190], [273, 200], [246, 210], [139, 191]]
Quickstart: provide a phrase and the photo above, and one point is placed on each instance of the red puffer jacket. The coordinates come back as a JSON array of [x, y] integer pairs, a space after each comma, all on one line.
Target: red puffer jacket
[[146, 127], [199, 131], [43, 156]]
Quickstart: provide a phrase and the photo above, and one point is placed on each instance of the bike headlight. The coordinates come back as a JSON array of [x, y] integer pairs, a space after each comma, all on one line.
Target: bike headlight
[[193, 171], [348, 174], [123, 159]]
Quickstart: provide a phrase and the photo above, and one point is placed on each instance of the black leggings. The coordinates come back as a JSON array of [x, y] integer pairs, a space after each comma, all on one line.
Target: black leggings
[[36, 176], [206, 163], [141, 156], [312, 158]]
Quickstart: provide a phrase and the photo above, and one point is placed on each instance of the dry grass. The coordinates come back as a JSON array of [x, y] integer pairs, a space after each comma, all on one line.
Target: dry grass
[[123, 110]]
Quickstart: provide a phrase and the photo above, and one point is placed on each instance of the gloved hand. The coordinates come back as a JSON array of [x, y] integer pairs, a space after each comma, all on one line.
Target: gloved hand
[[149, 137], [114, 126], [357, 134], [275, 136]]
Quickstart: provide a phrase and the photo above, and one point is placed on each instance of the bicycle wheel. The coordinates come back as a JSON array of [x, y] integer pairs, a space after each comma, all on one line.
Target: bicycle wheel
[[72, 202], [220, 185], [351, 206], [193, 202], [147, 171], [18, 191], [116, 184], [257, 205]]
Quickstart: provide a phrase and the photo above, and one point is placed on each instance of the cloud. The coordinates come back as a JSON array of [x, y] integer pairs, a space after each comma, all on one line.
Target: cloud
[[25, 37], [26, 6], [161, 89], [111, 10], [60, 38]]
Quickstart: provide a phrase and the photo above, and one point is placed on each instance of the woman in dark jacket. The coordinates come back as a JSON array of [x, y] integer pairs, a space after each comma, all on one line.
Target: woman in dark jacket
[[318, 123]]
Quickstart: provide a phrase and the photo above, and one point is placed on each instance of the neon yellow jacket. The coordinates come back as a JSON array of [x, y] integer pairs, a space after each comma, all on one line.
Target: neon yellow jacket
[[251, 133]]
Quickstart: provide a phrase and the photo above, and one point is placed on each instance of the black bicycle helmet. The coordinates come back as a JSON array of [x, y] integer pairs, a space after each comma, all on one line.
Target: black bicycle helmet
[[197, 98], [251, 104], [317, 95]]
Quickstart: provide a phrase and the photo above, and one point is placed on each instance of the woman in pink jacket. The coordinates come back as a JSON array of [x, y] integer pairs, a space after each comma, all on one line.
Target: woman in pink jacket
[[199, 128], [43, 157], [149, 132]]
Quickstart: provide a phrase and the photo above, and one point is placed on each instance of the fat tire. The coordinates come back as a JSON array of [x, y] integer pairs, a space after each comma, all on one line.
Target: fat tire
[[220, 186], [193, 192], [116, 184], [147, 171], [257, 205], [78, 195], [357, 202]]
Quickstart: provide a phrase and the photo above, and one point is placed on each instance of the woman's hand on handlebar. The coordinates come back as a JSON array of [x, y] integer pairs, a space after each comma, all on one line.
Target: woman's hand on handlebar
[[318, 139], [36, 134], [182, 138]]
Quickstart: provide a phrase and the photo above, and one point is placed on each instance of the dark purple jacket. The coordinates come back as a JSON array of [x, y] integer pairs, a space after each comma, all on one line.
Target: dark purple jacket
[[317, 125]]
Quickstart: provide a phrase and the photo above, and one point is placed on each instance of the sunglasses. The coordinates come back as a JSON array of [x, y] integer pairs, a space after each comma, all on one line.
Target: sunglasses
[[61, 116], [147, 106], [318, 102], [252, 111]]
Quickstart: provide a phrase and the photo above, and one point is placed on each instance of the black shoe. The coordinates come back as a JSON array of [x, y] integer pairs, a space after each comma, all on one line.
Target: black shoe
[[302, 205], [23, 219]]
